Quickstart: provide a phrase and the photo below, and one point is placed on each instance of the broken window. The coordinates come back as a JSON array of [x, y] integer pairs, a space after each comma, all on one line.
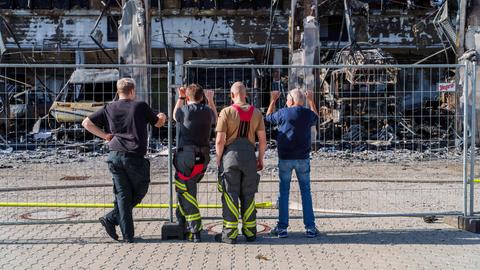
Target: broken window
[[43, 4], [40, 4], [112, 28], [330, 28], [22, 4], [33, 4], [226, 4], [76, 4], [249, 4], [115, 3], [6, 4], [200, 4], [61, 4], [244, 4], [154, 3], [97, 92]]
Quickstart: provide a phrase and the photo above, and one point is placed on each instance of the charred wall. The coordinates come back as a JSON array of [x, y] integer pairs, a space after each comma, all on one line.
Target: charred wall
[[204, 27]]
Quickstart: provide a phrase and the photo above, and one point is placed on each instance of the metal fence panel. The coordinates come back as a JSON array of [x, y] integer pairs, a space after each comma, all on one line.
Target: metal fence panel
[[50, 169], [389, 143]]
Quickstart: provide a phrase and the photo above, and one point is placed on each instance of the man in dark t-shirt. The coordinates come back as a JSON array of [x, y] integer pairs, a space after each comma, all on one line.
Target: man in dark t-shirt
[[294, 144], [195, 113], [123, 124]]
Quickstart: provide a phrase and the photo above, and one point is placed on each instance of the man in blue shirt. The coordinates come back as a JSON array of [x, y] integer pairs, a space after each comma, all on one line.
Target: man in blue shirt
[[294, 144]]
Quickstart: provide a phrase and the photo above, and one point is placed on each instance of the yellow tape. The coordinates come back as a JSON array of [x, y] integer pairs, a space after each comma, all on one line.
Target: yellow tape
[[476, 180], [109, 205]]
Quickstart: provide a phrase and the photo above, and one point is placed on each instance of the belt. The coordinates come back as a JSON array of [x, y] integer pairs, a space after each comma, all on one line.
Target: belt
[[126, 154]]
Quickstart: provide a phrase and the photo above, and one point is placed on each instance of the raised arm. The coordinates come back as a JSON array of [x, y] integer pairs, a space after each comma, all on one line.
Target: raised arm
[[92, 128], [274, 95], [209, 94], [311, 102], [182, 95]]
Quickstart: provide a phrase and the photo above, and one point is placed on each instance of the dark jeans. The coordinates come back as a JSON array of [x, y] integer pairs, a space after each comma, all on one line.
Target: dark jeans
[[131, 178]]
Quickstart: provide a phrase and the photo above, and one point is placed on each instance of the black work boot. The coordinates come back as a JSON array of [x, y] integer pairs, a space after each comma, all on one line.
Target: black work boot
[[219, 238], [128, 240], [251, 239], [109, 228], [194, 237]]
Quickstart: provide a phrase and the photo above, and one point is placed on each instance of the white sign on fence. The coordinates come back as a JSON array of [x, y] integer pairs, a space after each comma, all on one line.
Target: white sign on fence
[[446, 87]]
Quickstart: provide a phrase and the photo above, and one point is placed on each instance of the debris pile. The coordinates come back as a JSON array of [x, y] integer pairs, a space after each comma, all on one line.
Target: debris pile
[[373, 56]]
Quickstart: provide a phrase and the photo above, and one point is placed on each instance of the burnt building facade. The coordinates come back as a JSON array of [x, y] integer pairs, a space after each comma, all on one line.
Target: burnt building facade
[[50, 31]]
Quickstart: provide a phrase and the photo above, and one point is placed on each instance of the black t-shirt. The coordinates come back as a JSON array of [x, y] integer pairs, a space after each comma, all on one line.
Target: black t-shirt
[[194, 123], [127, 120]]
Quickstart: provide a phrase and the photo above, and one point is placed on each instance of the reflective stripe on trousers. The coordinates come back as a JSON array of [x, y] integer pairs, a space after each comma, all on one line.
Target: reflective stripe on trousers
[[188, 213], [238, 183]]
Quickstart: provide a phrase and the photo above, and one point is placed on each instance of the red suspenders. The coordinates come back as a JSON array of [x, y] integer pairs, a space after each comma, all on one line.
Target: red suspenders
[[245, 118]]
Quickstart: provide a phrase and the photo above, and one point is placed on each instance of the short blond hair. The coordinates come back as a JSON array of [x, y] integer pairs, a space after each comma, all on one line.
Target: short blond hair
[[125, 86]]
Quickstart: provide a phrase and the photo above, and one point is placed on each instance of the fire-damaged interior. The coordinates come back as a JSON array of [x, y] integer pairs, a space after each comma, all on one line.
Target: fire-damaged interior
[[362, 103]]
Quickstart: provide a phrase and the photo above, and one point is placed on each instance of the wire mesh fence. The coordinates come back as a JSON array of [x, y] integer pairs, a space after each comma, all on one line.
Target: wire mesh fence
[[48, 159], [389, 140]]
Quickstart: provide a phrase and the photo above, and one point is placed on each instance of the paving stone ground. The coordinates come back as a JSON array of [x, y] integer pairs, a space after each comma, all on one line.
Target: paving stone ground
[[362, 243]]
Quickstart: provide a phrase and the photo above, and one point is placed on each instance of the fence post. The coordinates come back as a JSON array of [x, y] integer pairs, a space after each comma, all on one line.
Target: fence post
[[465, 139], [473, 135], [170, 141]]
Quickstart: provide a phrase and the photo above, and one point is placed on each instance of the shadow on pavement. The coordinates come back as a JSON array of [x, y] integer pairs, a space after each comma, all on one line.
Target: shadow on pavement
[[378, 237]]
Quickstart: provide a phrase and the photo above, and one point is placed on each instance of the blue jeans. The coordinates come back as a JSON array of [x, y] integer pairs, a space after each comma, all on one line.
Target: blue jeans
[[302, 170]]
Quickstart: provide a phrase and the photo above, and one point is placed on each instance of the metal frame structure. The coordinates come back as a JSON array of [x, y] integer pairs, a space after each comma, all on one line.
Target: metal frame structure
[[469, 125]]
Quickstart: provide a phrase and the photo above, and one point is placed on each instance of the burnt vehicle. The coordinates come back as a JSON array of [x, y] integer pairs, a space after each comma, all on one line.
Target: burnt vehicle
[[86, 91], [375, 104], [27, 107], [358, 98], [20, 106]]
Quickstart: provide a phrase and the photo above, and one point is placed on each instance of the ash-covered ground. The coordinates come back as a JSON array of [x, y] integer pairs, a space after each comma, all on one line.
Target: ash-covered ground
[[75, 153]]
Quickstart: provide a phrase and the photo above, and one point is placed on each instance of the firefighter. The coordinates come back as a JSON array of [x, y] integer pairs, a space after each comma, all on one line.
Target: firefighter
[[235, 155], [195, 113]]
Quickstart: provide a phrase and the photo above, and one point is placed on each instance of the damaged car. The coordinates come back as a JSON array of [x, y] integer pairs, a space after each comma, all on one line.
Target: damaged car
[[85, 92], [28, 106], [21, 105]]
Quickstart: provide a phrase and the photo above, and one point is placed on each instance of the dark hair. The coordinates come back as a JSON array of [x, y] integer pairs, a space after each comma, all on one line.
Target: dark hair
[[195, 92]]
